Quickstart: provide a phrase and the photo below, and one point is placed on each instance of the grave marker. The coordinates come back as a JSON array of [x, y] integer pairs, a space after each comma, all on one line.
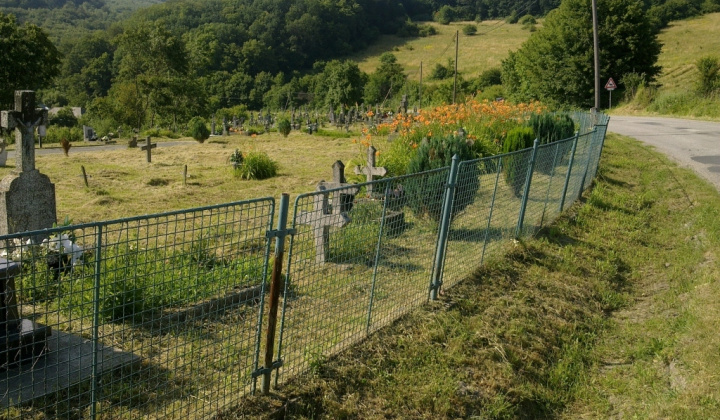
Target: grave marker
[[370, 170], [148, 147], [321, 218], [27, 197], [342, 199]]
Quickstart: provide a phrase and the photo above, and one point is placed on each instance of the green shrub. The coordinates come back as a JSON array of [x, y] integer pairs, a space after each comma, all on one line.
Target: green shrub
[[445, 15], [527, 20], [197, 129], [55, 134], [257, 165], [709, 74], [284, 126], [427, 30], [515, 165], [255, 129], [549, 128], [469, 30], [425, 195]]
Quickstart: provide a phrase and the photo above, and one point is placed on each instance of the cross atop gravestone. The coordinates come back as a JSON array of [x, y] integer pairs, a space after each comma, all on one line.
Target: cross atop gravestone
[[370, 170], [321, 218], [342, 199], [27, 197], [23, 119], [148, 147]]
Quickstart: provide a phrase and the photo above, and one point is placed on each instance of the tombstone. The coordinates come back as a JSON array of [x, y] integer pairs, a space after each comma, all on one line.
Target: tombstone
[[321, 219], [21, 340], [148, 148], [88, 133], [331, 115], [133, 142], [212, 126], [404, 104], [27, 197], [235, 122], [370, 170], [3, 152], [342, 199], [224, 126]]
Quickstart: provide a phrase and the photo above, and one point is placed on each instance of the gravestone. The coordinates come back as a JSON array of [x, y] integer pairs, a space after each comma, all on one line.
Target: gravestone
[[3, 152], [331, 114], [27, 197], [132, 143], [370, 170], [212, 126], [342, 199], [224, 126], [321, 218], [88, 133], [21, 340], [148, 149]]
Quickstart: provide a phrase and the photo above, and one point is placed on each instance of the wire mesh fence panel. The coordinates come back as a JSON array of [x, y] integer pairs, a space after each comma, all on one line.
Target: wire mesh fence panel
[[598, 142], [577, 171], [408, 245], [158, 318], [556, 183], [476, 184]]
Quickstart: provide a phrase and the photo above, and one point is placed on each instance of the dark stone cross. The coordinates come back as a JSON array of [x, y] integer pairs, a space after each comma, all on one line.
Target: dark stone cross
[[148, 147], [342, 200], [321, 218], [370, 170], [23, 119]]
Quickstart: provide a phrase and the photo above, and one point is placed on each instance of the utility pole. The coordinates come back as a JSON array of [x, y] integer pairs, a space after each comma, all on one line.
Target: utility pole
[[596, 54], [457, 42], [420, 93]]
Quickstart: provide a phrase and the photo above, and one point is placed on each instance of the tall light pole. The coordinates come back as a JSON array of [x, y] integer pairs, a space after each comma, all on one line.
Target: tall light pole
[[596, 54]]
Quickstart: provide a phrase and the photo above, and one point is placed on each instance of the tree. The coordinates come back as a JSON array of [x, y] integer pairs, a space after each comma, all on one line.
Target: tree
[[28, 60], [555, 65], [340, 83], [387, 80]]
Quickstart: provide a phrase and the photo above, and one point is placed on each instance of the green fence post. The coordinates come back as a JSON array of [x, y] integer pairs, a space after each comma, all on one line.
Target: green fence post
[[526, 193], [96, 325], [436, 279], [587, 163], [569, 171], [261, 304], [377, 260], [279, 235], [492, 207]]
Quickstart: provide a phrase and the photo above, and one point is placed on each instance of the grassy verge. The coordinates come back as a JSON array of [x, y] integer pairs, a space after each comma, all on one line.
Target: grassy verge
[[609, 312]]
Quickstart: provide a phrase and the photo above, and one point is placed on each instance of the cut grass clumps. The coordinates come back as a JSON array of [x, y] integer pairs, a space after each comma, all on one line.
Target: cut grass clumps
[[256, 165]]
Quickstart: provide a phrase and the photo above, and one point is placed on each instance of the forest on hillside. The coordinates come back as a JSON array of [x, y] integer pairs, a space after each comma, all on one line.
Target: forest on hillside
[[171, 61]]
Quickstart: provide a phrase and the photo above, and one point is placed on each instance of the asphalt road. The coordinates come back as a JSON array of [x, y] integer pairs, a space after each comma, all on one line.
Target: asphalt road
[[694, 144]]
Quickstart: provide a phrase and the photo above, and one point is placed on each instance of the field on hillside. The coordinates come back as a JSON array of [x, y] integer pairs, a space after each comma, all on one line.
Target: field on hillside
[[477, 53], [684, 42]]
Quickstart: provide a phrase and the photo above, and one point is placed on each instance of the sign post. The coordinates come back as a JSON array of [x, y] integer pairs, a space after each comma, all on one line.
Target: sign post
[[610, 86]]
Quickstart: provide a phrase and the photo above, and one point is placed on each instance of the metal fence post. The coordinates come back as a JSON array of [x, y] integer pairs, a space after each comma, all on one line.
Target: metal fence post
[[526, 193], [552, 176], [377, 259], [275, 285], [96, 325], [492, 207], [569, 171], [587, 163], [436, 279]]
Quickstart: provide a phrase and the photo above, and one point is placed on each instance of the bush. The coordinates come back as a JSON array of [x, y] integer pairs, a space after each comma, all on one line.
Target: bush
[[427, 30], [197, 129], [255, 129], [515, 165], [55, 134], [64, 118], [445, 15], [469, 30], [284, 126], [257, 165], [425, 195], [548, 128], [709, 74]]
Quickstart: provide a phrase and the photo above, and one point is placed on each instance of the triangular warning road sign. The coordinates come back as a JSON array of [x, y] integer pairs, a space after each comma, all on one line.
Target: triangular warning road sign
[[610, 85]]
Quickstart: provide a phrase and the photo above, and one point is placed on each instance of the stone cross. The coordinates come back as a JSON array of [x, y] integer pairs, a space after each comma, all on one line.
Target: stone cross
[[23, 119], [27, 197], [224, 126], [370, 170], [212, 126], [321, 218], [148, 147], [342, 199]]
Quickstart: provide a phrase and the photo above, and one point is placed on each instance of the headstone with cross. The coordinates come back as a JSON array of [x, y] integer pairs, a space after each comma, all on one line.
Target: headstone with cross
[[212, 125], [27, 197], [148, 148], [404, 104], [331, 115], [370, 170], [342, 199], [322, 218], [224, 126]]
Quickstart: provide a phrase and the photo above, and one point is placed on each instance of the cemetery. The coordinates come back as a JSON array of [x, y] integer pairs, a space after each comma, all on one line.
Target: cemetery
[[166, 265]]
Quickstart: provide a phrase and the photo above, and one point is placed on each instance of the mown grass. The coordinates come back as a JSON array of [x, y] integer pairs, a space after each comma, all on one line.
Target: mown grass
[[477, 53], [607, 313], [676, 94]]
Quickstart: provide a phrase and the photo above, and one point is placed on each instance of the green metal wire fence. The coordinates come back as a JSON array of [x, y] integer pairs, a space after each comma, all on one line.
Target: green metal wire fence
[[171, 315]]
